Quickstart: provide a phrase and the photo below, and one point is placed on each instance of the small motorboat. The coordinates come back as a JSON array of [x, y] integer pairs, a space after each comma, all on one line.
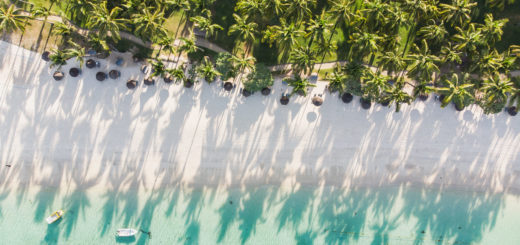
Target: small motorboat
[[126, 232], [55, 216]]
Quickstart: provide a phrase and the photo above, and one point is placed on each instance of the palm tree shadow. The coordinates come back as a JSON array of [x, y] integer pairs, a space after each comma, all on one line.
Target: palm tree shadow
[[53, 233]]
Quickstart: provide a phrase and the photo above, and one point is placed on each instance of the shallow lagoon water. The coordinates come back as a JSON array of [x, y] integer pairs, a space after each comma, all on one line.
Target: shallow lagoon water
[[262, 215]]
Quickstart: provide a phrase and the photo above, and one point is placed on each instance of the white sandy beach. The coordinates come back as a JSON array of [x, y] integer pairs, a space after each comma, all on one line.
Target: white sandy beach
[[81, 133]]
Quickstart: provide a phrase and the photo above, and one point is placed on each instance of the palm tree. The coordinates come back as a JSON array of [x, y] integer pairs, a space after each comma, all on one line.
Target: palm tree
[[106, 22], [58, 58], [488, 63], [207, 70], [188, 45], [458, 13], [515, 49], [286, 35], [500, 4], [492, 29], [11, 18], [62, 30], [435, 32], [469, 39], [98, 44], [450, 54], [374, 85], [514, 99], [423, 64], [393, 62], [41, 12], [396, 95], [245, 29], [159, 69], [299, 84], [495, 93], [204, 24], [376, 12], [365, 43], [243, 63], [303, 59], [318, 28], [79, 11], [166, 43], [299, 9], [337, 80], [149, 25], [76, 51], [177, 73], [456, 91]]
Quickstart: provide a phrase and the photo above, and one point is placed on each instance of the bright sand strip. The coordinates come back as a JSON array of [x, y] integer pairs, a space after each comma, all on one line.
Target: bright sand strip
[[85, 134]]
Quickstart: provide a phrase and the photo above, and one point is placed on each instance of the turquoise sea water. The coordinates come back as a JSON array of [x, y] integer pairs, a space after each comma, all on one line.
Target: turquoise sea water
[[262, 215]]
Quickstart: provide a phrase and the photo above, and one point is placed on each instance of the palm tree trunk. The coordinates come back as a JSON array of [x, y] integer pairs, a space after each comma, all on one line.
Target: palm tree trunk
[[330, 40]]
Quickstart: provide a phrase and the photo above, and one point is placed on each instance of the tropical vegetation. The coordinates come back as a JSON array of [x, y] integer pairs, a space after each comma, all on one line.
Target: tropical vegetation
[[390, 51]]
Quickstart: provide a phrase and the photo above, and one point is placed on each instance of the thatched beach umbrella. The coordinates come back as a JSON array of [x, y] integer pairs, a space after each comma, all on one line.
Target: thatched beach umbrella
[[91, 63], [74, 72], [114, 74], [101, 76], [512, 111], [347, 98], [284, 100], [365, 103], [149, 81], [58, 75], [168, 78], [246, 93], [45, 56], [317, 100], [131, 84], [188, 83], [423, 97], [266, 91], [228, 86]]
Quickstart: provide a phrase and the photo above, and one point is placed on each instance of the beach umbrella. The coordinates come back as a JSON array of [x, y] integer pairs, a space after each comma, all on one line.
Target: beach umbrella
[[167, 78], [423, 97], [365, 103], [114, 74], [266, 91], [45, 56], [91, 63], [284, 100], [512, 111], [228, 86], [101, 76], [246, 93], [149, 81], [317, 100], [347, 97], [74, 72], [131, 84], [58, 75], [188, 83]]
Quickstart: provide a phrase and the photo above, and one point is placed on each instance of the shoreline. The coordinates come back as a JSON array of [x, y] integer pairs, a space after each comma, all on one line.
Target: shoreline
[[87, 133]]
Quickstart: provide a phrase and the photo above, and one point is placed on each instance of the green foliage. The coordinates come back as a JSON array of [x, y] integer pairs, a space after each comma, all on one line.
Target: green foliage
[[260, 78], [299, 84], [207, 70], [224, 65]]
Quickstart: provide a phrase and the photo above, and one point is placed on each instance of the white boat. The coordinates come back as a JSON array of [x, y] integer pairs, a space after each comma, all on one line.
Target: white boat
[[54, 217], [126, 232]]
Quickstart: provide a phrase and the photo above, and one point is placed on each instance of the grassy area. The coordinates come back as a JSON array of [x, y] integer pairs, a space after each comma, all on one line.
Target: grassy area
[[512, 28], [34, 38]]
